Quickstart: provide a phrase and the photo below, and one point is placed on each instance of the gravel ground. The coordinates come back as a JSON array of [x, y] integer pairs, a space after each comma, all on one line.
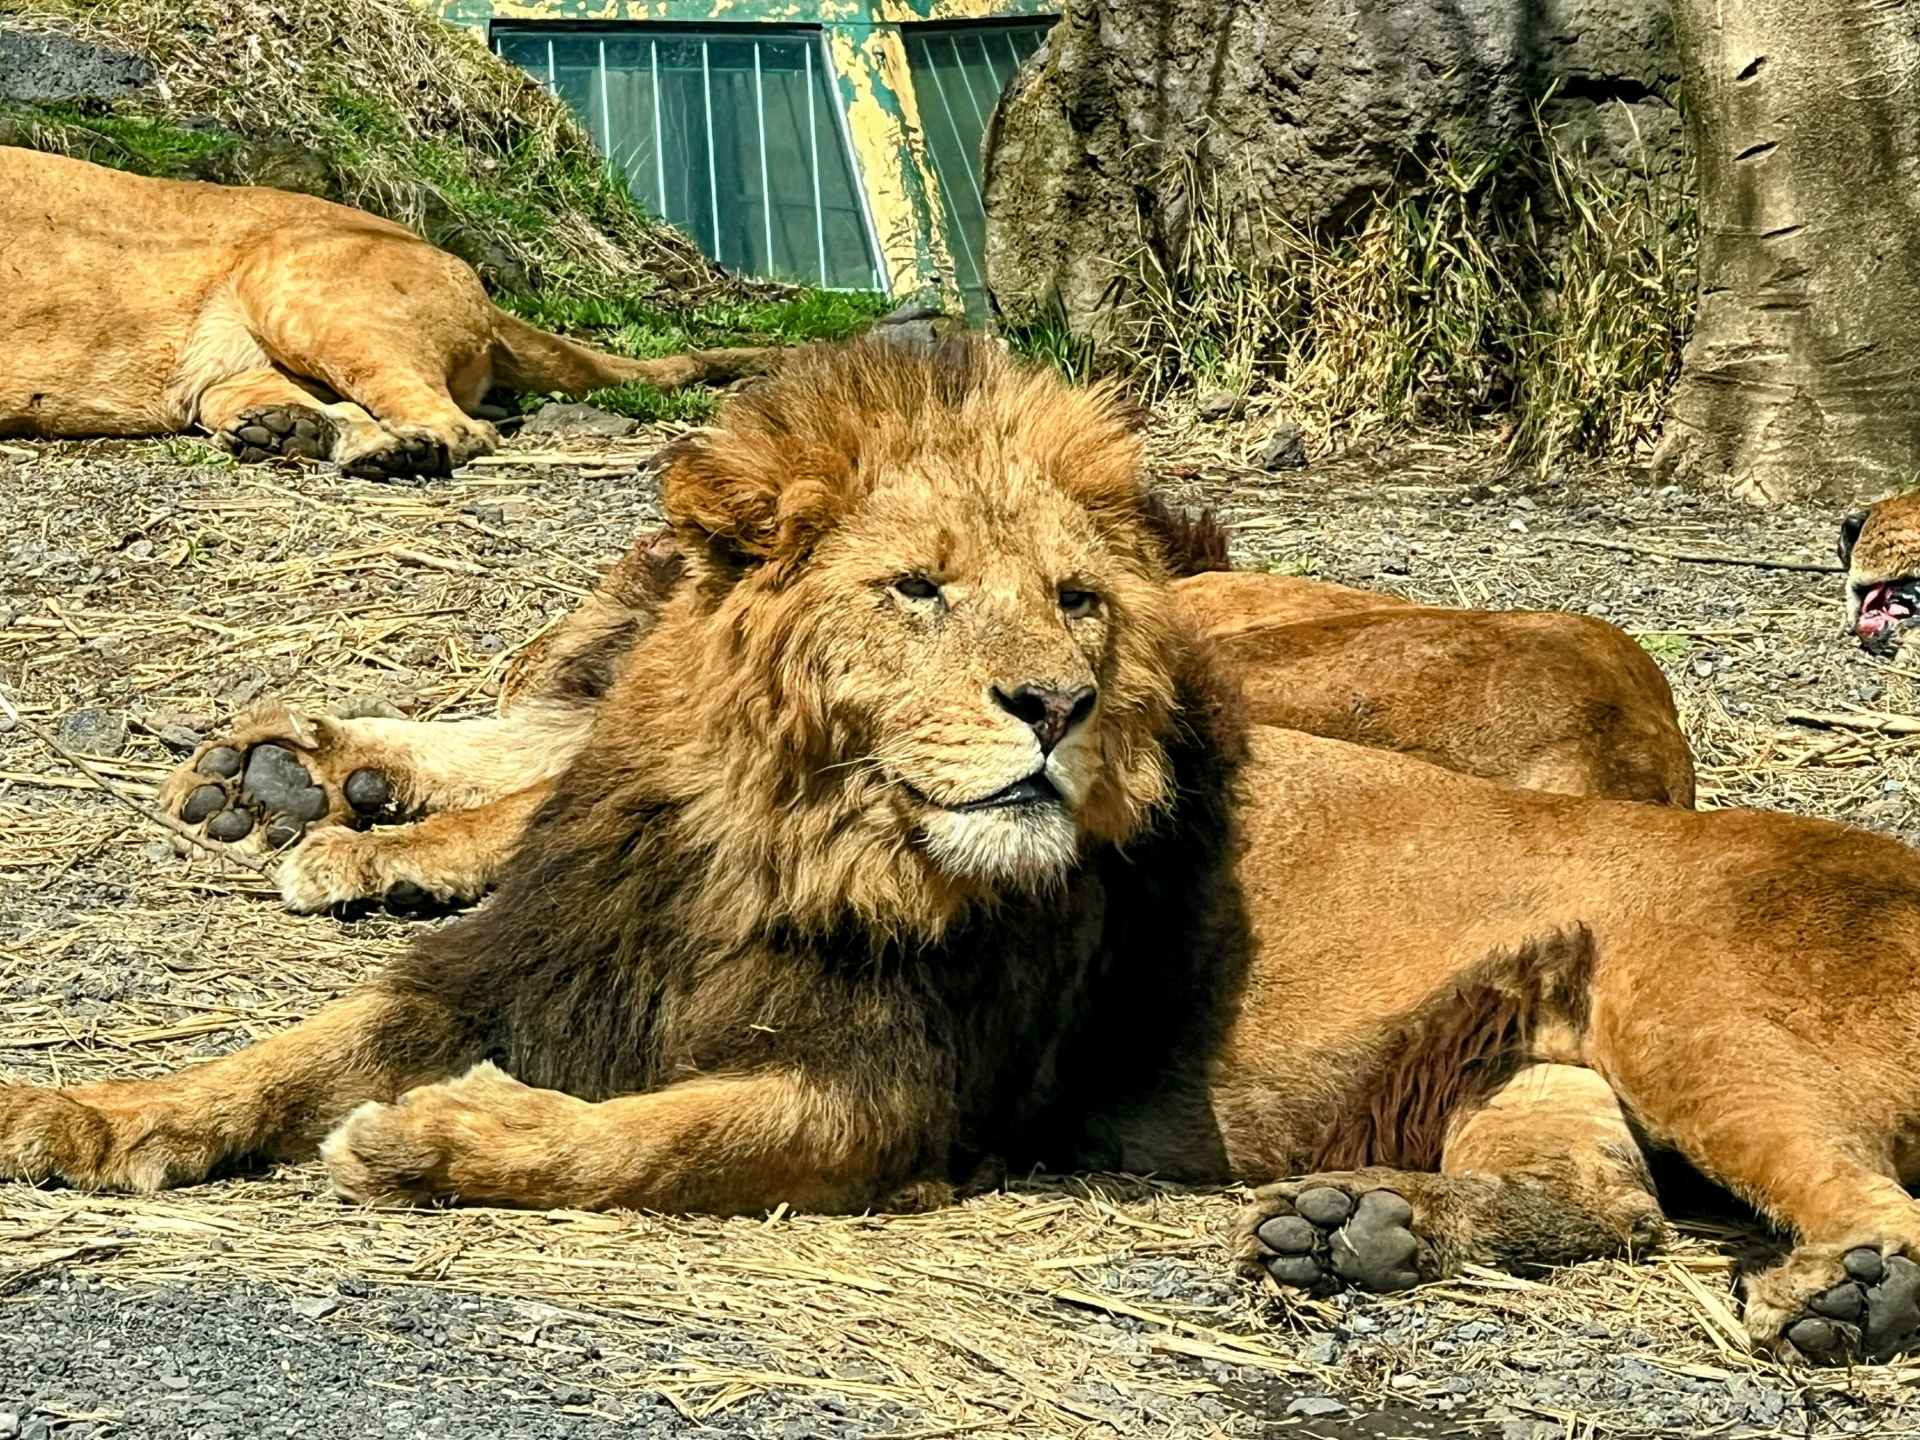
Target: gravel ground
[[144, 595]]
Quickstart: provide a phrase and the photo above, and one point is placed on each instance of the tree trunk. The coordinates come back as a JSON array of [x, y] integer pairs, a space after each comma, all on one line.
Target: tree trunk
[[1800, 379]]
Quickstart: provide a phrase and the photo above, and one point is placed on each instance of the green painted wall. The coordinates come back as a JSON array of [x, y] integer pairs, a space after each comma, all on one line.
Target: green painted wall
[[864, 38]]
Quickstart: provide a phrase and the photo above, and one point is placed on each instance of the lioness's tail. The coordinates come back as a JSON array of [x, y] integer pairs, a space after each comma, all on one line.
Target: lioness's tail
[[527, 358]]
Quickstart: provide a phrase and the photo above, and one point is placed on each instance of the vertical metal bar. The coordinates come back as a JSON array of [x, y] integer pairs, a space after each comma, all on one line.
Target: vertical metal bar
[[972, 99], [986, 59], [553, 82], [813, 141], [606, 113], [947, 194], [953, 123], [659, 140], [713, 182], [1013, 50], [760, 115]]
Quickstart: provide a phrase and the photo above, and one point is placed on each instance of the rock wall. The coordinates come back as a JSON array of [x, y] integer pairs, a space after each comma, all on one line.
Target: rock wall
[[1314, 105]]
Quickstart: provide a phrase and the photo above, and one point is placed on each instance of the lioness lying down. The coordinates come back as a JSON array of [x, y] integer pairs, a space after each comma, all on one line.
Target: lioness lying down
[[914, 829], [281, 324], [1549, 701]]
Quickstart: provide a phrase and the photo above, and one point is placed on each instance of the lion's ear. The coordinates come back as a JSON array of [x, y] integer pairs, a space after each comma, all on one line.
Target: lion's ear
[[743, 498]]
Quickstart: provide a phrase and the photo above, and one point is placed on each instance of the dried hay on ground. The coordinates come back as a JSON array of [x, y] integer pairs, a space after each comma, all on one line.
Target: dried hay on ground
[[172, 593]]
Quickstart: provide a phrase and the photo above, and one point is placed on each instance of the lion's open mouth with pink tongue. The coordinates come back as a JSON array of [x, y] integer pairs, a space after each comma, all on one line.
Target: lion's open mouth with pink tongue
[[1885, 607]]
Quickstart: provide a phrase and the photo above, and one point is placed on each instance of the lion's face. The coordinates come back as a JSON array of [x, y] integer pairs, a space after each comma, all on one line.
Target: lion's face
[[1880, 547], [947, 633]]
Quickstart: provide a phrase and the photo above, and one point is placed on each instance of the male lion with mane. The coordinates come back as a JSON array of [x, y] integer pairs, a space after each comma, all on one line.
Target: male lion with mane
[[279, 323], [915, 829]]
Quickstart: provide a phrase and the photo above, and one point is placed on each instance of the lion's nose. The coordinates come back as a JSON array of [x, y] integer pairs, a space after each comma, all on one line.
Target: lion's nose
[[1051, 712]]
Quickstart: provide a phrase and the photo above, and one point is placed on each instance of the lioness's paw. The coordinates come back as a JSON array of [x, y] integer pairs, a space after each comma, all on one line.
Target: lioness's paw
[[267, 432], [394, 452], [1823, 1308], [1321, 1234]]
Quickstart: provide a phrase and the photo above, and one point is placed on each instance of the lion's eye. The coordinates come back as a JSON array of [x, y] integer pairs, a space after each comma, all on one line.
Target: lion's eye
[[1079, 602], [916, 587]]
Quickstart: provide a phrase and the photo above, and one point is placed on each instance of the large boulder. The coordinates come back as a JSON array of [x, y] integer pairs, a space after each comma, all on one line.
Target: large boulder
[[1313, 106]]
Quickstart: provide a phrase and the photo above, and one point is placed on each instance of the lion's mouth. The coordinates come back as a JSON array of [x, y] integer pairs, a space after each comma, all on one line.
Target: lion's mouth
[[1885, 607], [1035, 789]]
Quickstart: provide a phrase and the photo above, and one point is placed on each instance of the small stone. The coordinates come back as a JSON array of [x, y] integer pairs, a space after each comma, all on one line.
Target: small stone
[[368, 791], [1517, 525], [1285, 449], [230, 825], [368, 707], [309, 804], [1865, 1264], [94, 732], [492, 516], [159, 852], [180, 739], [577, 420], [1289, 1235], [1703, 667], [1322, 1352], [175, 1382], [1316, 1406], [204, 801], [316, 1307], [223, 761], [1219, 403], [1324, 1205], [9, 1424]]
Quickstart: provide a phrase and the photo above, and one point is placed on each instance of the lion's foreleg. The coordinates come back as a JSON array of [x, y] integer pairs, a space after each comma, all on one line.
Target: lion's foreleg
[[728, 1145], [273, 1099], [1545, 1171]]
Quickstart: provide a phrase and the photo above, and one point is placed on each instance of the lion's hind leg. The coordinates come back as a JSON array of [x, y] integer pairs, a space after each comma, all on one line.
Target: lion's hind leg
[[1544, 1171], [385, 321], [264, 414]]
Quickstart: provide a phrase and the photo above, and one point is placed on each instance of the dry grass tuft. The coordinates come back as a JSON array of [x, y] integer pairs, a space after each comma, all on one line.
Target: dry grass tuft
[[1456, 300]]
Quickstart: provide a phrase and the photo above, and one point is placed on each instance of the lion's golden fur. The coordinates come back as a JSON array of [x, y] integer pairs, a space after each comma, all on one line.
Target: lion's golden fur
[[277, 322], [761, 943]]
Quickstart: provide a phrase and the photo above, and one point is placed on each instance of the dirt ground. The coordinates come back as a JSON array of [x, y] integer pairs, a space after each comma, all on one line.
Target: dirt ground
[[148, 591]]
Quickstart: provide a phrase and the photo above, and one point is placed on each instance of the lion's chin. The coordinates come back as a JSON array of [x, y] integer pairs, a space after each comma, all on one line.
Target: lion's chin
[[1020, 846]]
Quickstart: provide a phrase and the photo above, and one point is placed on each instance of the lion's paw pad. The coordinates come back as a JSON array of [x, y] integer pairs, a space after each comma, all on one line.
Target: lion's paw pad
[[1326, 1239], [268, 432], [1871, 1315], [267, 787]]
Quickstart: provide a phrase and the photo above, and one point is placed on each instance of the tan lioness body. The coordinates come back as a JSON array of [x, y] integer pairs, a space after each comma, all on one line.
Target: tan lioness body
[[913, 826], [1540, 699], [276, 322]]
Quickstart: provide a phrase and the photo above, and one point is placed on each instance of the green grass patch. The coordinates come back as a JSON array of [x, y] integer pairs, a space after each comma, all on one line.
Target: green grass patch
[[638, 326], [1666, 644], [640, 401], [144, 144]]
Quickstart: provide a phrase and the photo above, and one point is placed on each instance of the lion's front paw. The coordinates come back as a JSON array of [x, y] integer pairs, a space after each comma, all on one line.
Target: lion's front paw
[[1324, 1233], [479, 1137]]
